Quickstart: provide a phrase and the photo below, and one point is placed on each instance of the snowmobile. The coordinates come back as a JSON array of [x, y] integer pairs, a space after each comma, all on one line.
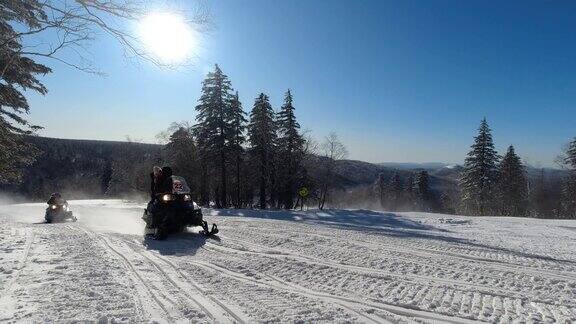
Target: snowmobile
[[174, 211], [58, 212]]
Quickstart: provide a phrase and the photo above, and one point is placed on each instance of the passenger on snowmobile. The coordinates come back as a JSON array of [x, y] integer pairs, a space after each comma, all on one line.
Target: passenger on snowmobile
[[58, 209], [172, 209]]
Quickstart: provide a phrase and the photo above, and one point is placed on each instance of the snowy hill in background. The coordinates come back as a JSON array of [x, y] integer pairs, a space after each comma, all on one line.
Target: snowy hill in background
[[286, 266]]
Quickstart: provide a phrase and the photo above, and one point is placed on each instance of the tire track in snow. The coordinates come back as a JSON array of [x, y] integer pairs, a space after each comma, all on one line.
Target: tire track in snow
[[486, 292], [242, 277], [143, 287], [345, 302], [135, 279], [441, 251], [211, 306], [142, 283], [365, 270]]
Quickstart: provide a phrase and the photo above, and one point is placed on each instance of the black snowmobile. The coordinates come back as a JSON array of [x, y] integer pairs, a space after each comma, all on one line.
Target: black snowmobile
[[58, 211], [173, 212]]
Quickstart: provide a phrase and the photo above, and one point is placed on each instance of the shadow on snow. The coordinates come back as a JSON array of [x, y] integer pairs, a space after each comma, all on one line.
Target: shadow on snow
[[182, 244]]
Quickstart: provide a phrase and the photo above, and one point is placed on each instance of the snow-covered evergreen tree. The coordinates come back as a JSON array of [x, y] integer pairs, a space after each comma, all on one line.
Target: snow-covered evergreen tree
[[214, 129], [512, 189], [478, 179], [290, 152], [262, 137]]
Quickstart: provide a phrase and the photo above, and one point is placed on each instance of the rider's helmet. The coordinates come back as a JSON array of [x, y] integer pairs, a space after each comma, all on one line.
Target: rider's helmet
[[56, 195]]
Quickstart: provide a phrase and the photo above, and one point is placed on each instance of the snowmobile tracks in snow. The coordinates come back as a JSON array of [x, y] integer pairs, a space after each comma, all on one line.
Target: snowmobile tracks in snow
[[217, 310], [364, 310], [514, 294], [182, 293], [272, 270]]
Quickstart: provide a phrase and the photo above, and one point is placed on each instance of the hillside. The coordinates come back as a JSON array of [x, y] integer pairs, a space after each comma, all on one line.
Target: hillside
[[82, 168], [94, 169]]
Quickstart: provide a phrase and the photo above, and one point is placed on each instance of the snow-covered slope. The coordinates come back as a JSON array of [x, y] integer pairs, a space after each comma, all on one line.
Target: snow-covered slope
[[330, 266]]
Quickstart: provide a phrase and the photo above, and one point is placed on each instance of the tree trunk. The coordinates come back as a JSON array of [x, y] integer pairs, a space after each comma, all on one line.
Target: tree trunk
[[204, 199], [238, 203]]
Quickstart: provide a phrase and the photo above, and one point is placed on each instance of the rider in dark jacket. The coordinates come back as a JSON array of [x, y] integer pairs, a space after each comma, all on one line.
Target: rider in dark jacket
[[161, 182], [56, 199], [155, 178], [165, 185]]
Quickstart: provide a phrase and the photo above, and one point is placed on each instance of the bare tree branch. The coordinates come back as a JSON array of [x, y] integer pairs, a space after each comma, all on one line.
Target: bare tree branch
[[76, 22]]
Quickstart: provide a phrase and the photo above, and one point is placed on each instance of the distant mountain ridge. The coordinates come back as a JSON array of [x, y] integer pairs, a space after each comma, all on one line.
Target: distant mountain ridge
[[415, 165]]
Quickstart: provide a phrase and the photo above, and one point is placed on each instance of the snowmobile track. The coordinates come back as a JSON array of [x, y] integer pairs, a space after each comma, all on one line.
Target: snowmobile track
[[345, 302], [486, 295], [369, 271], [504, 261], [135, 278], [140, 281], [208, 304]]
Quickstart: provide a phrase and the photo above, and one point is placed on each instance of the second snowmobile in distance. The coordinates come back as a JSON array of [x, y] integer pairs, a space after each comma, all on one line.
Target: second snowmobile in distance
[[172, 212], [58, 210]]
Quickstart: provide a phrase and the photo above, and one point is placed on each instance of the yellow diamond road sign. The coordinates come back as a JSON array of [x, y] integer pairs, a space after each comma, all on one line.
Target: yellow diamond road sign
[[303, 192]]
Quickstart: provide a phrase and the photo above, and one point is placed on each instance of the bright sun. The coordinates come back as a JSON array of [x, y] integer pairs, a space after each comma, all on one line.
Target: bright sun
[[168, 36]]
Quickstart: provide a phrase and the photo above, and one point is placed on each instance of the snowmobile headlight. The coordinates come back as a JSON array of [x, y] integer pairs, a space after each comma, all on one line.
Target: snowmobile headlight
[[167, 197], [187, 197], [53, 206]]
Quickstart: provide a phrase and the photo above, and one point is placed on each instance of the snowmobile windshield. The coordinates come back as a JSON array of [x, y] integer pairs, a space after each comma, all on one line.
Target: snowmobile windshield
[[179, 186]]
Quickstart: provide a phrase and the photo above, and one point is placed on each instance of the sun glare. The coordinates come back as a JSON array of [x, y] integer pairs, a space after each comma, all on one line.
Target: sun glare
[[167, 36]]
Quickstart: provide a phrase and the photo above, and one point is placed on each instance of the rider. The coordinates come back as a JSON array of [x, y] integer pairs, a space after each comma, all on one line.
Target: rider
[[161, 182], [56, 199], [155, 178], [166, 182]]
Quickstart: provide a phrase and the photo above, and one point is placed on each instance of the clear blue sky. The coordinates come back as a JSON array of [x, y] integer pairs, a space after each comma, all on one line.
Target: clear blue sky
[[397, 80]]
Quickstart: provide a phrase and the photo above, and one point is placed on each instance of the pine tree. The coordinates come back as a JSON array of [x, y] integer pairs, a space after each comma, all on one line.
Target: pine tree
[[569, 196], [479, 176], [181, 155], [512, 185], [422, 191], [238, 127], [395, 189], [17, 74], [380, 189], [540, 197], [569, 190], [214, 129], [290, 152], [262, 136]]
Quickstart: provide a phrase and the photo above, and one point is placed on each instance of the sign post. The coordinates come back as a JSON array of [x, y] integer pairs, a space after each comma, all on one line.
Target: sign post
[[303, 193]]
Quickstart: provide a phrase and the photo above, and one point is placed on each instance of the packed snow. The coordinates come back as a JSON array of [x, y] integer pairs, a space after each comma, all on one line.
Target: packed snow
[[279, 266]]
